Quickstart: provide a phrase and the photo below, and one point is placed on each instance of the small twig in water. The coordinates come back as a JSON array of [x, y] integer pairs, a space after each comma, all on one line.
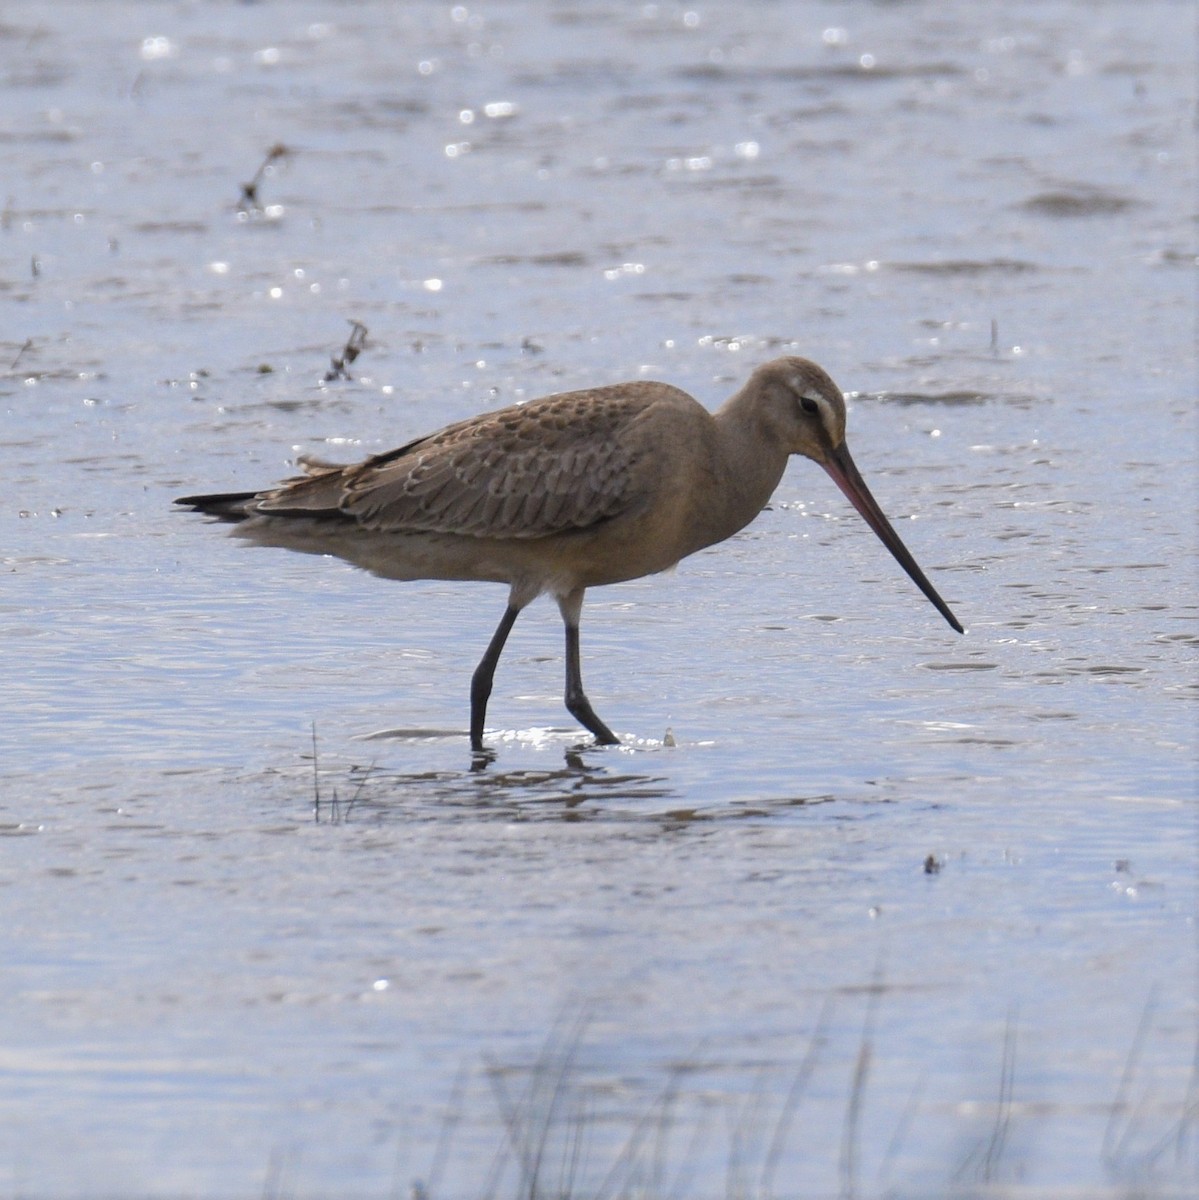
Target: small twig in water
[[1113, 1148], [744, 1128], [354, 346], [857, 1093], [363, 779], [690, 1161], [441, 1151], [799, 1085], [276, 1169], [575, 1151], [984, 1157], [1003, 1108], [316, 780], [21, 354], [901, 1128], [1180, 1135], [248, 202]]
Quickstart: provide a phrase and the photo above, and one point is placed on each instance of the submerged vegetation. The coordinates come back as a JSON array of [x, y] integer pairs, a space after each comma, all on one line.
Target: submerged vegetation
[[718, 1129]]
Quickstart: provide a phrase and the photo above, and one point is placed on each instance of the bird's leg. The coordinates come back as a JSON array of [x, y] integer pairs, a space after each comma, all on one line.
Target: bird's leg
[[577, 704], [480, 682]]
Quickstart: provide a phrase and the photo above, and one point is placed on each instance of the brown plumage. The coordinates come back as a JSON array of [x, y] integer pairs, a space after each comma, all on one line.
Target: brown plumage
[[565, 493], [564, 462]]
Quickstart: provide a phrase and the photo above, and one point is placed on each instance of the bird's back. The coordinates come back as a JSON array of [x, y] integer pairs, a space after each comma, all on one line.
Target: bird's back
[[565, 462]]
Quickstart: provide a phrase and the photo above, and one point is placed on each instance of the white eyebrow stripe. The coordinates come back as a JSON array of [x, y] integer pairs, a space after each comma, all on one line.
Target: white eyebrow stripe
[[824, 409]]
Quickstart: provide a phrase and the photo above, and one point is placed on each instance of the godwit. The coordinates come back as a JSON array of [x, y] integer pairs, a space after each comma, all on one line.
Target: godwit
[[566, 493]]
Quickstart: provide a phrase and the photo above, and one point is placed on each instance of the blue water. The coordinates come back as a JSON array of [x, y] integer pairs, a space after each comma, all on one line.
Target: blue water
[[231, 974]]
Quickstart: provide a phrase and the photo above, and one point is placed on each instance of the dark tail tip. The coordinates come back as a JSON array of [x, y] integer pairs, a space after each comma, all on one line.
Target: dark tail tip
[[225, 506]]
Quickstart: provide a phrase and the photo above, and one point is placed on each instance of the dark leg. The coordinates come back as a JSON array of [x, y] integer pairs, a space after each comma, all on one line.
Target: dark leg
[[480, 683], [577, 703]]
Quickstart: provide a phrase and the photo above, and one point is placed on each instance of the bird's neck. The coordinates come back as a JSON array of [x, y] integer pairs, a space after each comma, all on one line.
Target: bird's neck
[[750, 463]]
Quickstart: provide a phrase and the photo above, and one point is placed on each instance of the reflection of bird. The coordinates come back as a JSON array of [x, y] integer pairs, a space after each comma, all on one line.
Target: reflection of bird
[[565, 493]]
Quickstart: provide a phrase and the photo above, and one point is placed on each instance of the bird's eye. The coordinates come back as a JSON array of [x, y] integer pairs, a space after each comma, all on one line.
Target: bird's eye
[[809, 405]]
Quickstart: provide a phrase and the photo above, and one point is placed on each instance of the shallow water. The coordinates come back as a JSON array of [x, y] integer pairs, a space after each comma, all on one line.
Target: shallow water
[[231, 974]]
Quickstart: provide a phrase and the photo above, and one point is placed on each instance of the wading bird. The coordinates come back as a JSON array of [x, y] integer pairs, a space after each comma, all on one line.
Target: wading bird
[[565, 493]]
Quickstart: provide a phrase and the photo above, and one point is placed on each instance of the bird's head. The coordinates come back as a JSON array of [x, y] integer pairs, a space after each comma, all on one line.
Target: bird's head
[[801, 405], [803, 410]]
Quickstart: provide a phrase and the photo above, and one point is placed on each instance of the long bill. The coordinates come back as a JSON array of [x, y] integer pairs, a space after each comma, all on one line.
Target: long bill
[[847, 477]]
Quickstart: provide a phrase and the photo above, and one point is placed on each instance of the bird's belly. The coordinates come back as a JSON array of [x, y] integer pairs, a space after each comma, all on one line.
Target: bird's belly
[[388, 554], [559, 563], [615, 552]]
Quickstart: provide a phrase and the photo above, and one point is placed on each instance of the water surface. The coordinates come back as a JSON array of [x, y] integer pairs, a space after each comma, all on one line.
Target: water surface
[[939, 891]]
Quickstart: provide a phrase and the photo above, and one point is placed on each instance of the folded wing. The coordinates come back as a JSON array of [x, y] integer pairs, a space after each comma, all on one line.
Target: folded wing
[[566, 462]]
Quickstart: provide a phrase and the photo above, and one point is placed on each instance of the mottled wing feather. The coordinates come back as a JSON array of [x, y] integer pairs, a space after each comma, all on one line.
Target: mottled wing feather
[[318, 492], [565, 462]]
